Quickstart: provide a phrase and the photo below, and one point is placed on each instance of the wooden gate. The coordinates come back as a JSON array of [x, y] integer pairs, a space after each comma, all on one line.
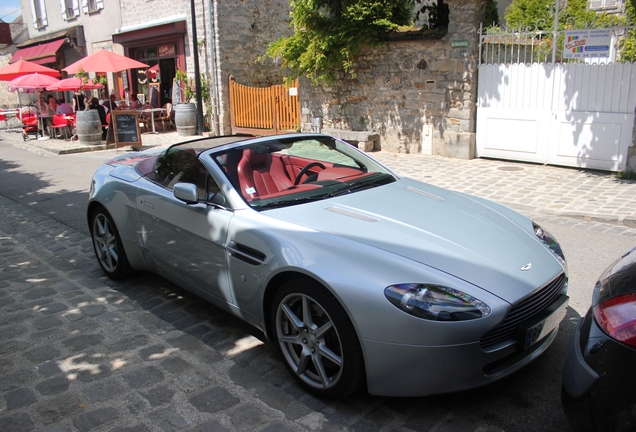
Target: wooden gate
[[264, 110]]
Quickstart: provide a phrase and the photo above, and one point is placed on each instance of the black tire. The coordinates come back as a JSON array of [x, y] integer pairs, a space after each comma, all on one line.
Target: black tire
[[107, 245], [320, 349]]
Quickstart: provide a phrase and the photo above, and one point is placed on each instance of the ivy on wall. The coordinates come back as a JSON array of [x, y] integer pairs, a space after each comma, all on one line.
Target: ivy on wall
[[329, 34]]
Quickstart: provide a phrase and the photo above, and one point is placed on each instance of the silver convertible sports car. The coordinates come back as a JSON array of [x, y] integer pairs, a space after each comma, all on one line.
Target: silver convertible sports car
[[361, 278]]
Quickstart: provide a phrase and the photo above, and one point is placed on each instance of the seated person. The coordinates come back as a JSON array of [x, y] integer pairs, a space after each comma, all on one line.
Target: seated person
[[50, 112], [110, 104], [146, 106], [52, 105], [134, 103], [64, 108], [41, 105], [102, 114]]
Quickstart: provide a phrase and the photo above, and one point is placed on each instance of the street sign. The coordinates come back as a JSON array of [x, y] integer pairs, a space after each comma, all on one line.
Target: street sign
[[589, 43]]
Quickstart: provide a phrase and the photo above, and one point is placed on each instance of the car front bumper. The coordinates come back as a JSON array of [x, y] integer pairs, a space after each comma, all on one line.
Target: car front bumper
[[408, 370]]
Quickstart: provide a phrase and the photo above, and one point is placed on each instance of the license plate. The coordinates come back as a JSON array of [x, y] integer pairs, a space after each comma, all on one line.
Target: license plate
[[533, 330]]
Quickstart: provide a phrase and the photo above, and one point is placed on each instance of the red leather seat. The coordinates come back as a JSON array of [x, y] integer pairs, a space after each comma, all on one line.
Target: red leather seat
[[260, 174]]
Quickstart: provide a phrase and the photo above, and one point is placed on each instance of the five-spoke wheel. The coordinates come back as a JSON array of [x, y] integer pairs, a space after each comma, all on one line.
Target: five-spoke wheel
[[317, 339]]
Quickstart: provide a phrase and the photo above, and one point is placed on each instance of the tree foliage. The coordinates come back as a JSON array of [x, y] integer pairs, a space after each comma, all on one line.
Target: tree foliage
[[492, 14], [539, 14], [328, 34], [628, 53], [573, 14]]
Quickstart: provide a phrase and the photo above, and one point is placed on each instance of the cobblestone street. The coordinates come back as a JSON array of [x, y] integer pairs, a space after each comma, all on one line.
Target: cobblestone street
[[81, 352]]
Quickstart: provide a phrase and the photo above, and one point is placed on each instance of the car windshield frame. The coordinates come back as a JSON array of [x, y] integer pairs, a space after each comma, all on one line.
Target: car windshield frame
[[265, 172]]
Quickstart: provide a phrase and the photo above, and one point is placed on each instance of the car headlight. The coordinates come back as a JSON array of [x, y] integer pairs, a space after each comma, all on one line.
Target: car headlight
[[436, 302], [550, 242]]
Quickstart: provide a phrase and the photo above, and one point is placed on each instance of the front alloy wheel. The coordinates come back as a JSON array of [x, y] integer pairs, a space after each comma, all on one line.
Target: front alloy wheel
[[317, 340]]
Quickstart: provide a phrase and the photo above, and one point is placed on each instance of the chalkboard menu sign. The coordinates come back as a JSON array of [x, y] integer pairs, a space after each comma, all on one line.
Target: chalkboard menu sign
[[124, 129], [153, 94]]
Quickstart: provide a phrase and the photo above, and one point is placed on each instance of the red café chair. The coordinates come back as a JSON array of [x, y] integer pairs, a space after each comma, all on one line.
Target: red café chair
[[60, 123]]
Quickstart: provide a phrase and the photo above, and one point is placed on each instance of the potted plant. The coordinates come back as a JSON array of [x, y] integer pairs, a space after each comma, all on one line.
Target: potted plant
[[185, 112]]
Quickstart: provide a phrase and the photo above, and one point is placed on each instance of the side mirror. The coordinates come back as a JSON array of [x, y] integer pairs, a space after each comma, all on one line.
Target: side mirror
[[186, 192]]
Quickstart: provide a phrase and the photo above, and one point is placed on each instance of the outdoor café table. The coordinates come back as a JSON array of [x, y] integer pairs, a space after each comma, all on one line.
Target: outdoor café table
[[152, 112]]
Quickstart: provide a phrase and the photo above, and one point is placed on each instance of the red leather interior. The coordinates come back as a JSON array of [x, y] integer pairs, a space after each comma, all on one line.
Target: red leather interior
[[266, 175], [261, 174]]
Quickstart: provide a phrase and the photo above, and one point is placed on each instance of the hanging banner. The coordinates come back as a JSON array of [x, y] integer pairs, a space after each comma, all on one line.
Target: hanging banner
[[590, 43]]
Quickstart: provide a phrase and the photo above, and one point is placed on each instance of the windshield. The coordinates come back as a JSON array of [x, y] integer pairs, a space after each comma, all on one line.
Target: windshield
[[289, 171]]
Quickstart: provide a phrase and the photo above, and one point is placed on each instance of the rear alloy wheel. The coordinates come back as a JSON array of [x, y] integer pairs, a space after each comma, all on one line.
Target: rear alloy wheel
[[317, 340], [107, 244]]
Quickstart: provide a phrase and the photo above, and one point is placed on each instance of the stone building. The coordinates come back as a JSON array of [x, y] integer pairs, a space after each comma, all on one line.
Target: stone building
[[419, 95], [19, 34], [231, 36]]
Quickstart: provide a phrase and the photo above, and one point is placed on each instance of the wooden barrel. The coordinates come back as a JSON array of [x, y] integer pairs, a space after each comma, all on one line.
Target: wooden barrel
[[185, 118], [89, 127]]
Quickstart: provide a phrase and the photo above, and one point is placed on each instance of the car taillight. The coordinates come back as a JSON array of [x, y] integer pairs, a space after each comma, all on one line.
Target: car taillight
[[617, 318]]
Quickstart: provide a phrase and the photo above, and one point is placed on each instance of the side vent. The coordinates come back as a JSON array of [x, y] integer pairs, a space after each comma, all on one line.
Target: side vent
[[246, 254]]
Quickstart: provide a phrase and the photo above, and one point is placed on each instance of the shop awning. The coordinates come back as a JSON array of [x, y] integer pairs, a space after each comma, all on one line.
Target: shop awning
[[40, 54]]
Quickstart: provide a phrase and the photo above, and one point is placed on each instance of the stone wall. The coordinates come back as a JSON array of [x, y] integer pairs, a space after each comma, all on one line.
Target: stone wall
[[244, 30], [18, 34], [403, 88], [7, 98]]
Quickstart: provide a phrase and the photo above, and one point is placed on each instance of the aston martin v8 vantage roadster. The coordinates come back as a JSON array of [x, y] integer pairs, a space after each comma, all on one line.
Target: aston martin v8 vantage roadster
[[361, 278]]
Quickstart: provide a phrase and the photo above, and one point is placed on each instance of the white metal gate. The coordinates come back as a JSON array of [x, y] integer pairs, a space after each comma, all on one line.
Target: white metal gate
[[571, 114]]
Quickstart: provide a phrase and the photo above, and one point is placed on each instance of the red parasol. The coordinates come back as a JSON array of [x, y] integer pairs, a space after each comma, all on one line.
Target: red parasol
[[23, 67], [74, 83], [104, 61], [32, 81]]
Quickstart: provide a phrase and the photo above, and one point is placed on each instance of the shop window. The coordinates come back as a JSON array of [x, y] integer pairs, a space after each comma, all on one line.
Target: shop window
[[70, 9], [92, 6], [38, 11]]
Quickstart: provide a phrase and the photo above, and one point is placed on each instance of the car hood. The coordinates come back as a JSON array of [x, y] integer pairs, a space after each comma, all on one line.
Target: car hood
[[473, 239]]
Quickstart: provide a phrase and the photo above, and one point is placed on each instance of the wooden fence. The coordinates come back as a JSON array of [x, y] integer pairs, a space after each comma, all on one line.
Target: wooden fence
[[264, 110]]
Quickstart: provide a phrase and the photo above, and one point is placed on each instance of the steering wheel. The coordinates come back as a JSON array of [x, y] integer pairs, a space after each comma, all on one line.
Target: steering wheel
[[304, 171]]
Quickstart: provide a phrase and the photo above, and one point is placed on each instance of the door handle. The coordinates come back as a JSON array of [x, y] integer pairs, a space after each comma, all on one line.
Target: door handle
[[148, 204]]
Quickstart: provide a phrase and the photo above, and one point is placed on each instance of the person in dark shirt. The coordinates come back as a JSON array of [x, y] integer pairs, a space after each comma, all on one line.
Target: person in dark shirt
[[102, 114], [78, 102], [110, 103]]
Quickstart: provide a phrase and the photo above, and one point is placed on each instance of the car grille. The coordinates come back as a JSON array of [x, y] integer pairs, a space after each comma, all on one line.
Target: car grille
[[522, 311]]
